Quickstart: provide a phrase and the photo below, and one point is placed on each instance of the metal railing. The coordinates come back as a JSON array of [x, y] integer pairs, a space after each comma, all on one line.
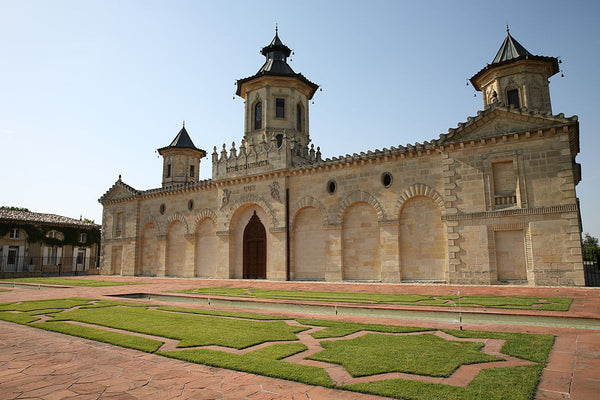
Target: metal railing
[[591, 266]]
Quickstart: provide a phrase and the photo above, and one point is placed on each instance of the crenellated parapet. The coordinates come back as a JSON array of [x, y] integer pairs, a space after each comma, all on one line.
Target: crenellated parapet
[[276, 149]]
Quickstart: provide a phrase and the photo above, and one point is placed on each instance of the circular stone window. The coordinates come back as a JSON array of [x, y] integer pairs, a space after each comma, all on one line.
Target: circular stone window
[[331, 186], [162, 208], [386, 179], [191, 205]]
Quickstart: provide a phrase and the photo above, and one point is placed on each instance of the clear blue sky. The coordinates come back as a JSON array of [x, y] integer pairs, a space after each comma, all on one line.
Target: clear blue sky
[[90, 89]]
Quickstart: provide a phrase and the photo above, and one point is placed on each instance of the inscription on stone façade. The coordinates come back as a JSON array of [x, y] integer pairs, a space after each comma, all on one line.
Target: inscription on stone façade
[[247, 166]]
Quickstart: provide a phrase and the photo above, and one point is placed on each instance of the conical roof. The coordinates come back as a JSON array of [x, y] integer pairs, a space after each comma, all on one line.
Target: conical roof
[[510, 52], [276, 54], [181, 141], [510, 49]]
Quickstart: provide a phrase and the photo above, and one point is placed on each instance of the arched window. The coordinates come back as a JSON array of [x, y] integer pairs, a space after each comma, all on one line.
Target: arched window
[[299, 115], [258, 115]]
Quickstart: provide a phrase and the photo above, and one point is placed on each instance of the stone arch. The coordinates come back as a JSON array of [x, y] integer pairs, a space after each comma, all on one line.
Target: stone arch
[[256, 199], [205, 248], [176, 249], [177, 216], [422, 241], [362, 196], [148, 263], [361, 248], [308, 247], [149, 219], [419, 189], [237, 224], [308, 201], [203, 214]]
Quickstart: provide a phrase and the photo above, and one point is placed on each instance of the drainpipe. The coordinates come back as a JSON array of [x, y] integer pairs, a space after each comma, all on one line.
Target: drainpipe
[[287, 234]]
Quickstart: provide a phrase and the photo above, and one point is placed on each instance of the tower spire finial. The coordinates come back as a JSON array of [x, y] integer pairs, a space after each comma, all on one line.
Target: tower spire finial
[[184, 123], [507, 29], [276, 28]]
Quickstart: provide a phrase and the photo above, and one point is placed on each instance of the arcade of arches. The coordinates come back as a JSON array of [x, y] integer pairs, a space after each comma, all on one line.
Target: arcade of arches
[[420, 230]]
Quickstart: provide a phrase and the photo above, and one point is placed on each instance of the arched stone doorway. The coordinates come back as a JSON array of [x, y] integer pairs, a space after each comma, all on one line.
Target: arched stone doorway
[[255, 249]]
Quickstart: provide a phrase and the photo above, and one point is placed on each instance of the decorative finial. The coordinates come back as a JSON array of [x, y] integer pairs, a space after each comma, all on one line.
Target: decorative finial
[[184, 123], [507, 29], [276, 28], [119, 176]]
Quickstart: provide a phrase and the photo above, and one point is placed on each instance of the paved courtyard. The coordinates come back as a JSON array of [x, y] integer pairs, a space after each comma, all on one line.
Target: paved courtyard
[[40, 364]]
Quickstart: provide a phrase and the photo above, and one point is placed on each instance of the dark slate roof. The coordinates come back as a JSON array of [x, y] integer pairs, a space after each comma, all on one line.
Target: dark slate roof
[[510, 49], [40, 218], [181, 141], [276, 54]]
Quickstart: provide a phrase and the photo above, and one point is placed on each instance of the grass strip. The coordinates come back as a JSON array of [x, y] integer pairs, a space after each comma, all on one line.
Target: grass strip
[[341, 328], [514, 383], [220, 313], [45, 304], [255, 365], [22, 319], [532, 347], [190, 330], [425, 354], [509, 302], [101, 335], [70, 282]]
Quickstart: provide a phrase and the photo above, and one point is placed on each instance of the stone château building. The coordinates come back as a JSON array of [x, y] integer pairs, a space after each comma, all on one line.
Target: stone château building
[[492, 201]]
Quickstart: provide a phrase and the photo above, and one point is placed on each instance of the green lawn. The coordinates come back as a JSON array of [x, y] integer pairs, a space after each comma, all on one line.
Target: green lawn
[[372, 353], [512, 302], [69, 282]]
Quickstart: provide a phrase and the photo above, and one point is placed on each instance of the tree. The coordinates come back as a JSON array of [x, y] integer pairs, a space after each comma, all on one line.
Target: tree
[[589, 241], [591, 250]]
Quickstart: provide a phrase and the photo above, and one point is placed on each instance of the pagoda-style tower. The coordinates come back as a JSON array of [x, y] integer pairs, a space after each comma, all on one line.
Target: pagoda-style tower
[[181, 160], [276, 99], [516, 78]]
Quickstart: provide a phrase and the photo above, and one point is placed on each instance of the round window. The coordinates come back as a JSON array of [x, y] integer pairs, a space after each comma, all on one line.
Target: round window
[[191, 205], [162, 208], [386, 179], [331, 186]]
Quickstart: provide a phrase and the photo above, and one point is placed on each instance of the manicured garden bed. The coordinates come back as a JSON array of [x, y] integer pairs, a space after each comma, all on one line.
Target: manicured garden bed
[[510, 302], [273, 346]]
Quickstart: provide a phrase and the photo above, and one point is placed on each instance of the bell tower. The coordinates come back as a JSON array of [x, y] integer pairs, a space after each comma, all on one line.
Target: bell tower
[[276, 99], [181, 160], [516, 78]]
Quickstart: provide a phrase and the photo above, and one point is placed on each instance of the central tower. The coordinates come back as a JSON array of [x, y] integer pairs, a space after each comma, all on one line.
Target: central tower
[[276, 99]]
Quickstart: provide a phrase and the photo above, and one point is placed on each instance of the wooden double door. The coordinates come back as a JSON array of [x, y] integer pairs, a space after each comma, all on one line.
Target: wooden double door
[[255, 249]]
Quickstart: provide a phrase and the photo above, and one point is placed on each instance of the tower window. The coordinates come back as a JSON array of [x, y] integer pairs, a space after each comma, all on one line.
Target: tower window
[[279, 139], [279, 108], [168, 170], [513, 98], [258, 115], [298, 117], [192, 171]]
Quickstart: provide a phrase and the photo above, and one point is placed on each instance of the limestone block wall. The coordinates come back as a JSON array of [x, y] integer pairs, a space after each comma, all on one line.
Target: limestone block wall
[[428, 215]]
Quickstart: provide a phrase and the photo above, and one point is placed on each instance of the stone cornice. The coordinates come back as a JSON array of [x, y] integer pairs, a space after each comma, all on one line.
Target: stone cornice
[[512, 212]]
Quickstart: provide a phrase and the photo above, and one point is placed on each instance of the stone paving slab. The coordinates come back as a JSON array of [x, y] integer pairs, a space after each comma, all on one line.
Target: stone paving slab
[[49, 365]]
